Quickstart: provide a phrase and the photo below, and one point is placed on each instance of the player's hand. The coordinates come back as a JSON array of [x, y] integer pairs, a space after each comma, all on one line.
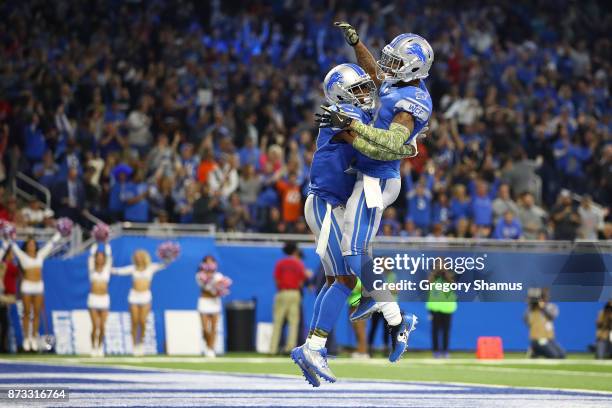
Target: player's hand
[[350, 34], [332, 118], [423, 132]]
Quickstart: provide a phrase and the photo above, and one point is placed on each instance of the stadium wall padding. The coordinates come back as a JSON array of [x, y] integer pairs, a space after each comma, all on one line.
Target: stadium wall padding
[[251, 268]]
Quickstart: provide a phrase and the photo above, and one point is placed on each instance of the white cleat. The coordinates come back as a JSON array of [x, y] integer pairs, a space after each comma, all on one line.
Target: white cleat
[[316, 360], [34, 343], [27, 345], [139, 350]]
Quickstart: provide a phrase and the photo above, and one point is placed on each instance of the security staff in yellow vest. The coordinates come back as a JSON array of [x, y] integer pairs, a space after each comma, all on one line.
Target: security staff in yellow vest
[[539, 317], [441, 306]]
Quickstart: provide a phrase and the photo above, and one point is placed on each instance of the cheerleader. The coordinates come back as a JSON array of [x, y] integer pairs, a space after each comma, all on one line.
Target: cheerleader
[[31, 261], [99, 265], [139, 298], [213, 285]]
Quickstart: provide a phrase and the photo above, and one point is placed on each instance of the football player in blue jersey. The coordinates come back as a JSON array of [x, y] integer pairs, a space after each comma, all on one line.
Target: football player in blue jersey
[[402, 112], [353, 92]]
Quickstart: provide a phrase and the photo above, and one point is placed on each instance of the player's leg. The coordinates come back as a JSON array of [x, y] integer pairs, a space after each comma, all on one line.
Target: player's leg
[[400, 325], [328, 265], [338, 293], [313, 355], [360, 227]]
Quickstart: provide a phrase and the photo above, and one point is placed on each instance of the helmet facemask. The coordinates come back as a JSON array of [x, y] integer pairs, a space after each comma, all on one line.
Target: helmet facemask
[[361, 94], [389, 65], [394, 68]]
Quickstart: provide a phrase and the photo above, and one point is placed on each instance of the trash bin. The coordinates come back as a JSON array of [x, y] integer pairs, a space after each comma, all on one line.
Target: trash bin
[[240, 316]]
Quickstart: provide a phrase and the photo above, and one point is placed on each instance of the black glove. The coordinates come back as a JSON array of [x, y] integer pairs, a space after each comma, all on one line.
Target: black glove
[[332, 118], [350, 34]]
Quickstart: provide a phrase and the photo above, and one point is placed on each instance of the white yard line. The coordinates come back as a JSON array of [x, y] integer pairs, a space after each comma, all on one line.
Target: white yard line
[[283, 360], [77, 361]]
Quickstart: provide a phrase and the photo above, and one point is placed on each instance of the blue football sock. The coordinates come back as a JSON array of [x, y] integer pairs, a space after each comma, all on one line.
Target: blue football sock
[[331, 305], [317, 307], [361, 266]]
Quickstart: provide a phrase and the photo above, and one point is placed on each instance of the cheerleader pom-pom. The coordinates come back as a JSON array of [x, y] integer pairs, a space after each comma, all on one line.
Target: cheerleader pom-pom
[[203, 278], [8, 230], [168, 251], [101, 232], [222, 286], [64, 226]]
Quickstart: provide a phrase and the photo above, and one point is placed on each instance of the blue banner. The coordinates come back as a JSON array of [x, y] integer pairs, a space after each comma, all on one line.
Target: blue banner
[[251, 269]]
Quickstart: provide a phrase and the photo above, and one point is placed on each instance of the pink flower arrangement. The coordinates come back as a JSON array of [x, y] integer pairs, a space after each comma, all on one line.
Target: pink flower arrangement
[[168, 251], [100, 232], [64, 226]]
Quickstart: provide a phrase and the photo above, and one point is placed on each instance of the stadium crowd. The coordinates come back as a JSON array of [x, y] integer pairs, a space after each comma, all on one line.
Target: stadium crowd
[[192, 112]]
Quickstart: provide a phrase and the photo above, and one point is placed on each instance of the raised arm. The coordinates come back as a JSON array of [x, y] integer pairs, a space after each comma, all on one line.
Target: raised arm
[[123, 270], [109, 257], [156, 267], [48, 247], [92, 257], [22, 257], [365, 59]]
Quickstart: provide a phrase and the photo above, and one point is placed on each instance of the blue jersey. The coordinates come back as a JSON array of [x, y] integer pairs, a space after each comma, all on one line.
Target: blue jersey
[[411, 99], [329, 178]]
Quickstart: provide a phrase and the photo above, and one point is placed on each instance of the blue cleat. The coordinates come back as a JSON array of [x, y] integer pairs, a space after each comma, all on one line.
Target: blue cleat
[[367, 306], [399, 336], [315, 361], [310, 375]]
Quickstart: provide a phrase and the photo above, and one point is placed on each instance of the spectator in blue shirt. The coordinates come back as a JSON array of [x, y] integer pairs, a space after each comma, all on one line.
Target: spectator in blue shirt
[[46, 172], [119, 181], [190, 160], [249, 153], [114, 114], [419, 202], [482, 206], [134, 199], [508, 227], [35, 142], [459, 205], [441, 211], [389, 223]]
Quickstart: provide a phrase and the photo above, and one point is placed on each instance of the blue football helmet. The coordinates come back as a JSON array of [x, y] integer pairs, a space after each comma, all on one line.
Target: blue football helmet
[[349, 83], [406, 58]]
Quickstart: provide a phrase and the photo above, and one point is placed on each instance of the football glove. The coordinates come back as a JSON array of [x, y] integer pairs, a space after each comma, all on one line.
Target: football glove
[[350, 34], [332, 118]]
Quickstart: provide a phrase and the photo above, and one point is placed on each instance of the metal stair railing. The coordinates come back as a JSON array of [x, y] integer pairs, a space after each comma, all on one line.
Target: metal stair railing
[[32, 184]]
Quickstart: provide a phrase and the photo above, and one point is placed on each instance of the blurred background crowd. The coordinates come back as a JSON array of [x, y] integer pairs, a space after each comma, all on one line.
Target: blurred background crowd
[[200, 112]]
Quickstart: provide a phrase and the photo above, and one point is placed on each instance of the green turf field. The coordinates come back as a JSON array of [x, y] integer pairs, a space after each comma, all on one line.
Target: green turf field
[[579, 371]]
